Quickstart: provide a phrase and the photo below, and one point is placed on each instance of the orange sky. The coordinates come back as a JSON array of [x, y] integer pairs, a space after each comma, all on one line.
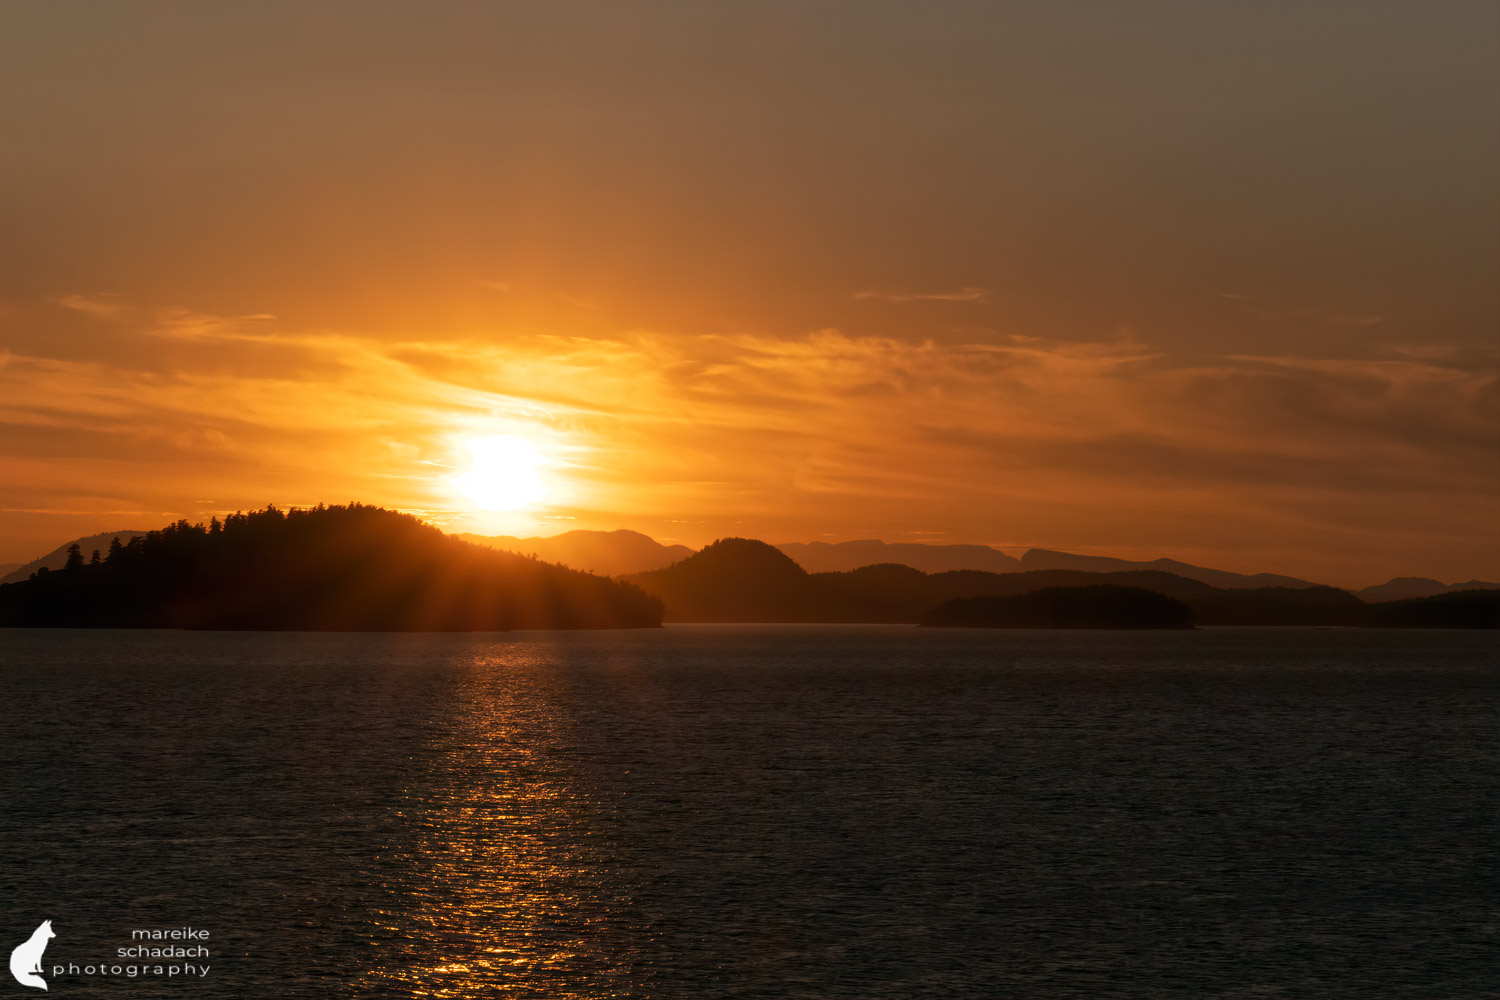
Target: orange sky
[[1208, 281]]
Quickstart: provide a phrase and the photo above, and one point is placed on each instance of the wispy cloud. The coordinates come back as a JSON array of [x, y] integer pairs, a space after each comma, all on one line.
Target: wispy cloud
[[187, 324], [966, 294], [169, 321], [100, 306]]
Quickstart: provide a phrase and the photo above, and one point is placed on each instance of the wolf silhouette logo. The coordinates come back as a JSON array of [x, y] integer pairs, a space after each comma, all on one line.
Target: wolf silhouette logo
[[26, 957]]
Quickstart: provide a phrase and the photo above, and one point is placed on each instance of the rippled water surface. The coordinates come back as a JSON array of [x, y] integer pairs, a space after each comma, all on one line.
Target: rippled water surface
[[760, 812]]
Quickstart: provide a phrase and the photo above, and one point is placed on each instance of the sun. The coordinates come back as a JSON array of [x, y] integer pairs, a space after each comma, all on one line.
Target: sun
[[504, 473]]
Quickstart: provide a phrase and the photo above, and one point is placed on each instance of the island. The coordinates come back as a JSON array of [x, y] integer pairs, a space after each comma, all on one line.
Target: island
[[327, 568]]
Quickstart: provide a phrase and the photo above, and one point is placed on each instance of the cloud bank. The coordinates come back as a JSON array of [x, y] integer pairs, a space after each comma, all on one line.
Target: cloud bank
[[1336, 468]]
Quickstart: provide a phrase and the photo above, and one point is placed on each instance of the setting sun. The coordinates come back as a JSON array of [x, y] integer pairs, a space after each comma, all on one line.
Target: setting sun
[[504, 474]]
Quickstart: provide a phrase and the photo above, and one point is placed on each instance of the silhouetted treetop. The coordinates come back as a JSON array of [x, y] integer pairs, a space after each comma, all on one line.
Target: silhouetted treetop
[[353, 567]]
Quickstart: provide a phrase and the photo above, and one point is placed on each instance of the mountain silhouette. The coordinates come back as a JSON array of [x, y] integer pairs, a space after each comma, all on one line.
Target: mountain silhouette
[[740, 580], [58, 557], [354, 568], [361, 567], [609, 553], [833, 557], [1098, 606], [1405, 587], [1049, 559], [621, 553]]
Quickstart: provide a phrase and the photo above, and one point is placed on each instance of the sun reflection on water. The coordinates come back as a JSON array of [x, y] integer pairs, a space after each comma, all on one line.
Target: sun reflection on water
[[506, 886]]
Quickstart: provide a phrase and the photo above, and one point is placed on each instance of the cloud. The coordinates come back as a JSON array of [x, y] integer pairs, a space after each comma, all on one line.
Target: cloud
[[170, 321], [965, 294], [105, 306], [187, 324], [1048, 441]]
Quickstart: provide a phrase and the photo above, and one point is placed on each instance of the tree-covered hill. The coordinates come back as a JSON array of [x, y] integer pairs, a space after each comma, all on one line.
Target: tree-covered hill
[[741, 580], [354, 568]]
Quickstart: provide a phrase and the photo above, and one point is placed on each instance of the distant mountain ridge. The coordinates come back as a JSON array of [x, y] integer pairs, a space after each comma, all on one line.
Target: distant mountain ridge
[[623, 553], [58, 557], [608, 553], [741, 580], [1404, 588], [836, 557], [1050, 559]]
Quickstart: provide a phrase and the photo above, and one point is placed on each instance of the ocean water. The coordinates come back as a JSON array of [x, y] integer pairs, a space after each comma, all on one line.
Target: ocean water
[[740, 811]]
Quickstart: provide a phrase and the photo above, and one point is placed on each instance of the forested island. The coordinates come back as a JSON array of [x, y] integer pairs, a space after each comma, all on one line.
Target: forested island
[[340, 568]]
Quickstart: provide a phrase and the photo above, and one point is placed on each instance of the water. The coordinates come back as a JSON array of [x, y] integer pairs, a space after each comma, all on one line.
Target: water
[[737, 811]]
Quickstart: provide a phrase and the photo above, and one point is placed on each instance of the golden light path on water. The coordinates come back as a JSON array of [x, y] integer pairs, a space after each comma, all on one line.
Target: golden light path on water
[[506, 887]]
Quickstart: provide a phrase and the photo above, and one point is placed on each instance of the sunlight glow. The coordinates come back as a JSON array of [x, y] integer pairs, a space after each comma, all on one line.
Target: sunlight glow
[[504, 474]]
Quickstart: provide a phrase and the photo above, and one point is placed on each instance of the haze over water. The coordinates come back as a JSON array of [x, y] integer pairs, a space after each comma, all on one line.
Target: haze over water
[[761, 811]]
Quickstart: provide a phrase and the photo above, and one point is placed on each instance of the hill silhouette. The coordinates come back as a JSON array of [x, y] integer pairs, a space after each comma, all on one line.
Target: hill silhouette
[[1098, 606], [354, 568], [1049, 559], [621, 553], [363, 568], [835, 557], [740, 580], [609, 553], [1405, 587], [58, 557]]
